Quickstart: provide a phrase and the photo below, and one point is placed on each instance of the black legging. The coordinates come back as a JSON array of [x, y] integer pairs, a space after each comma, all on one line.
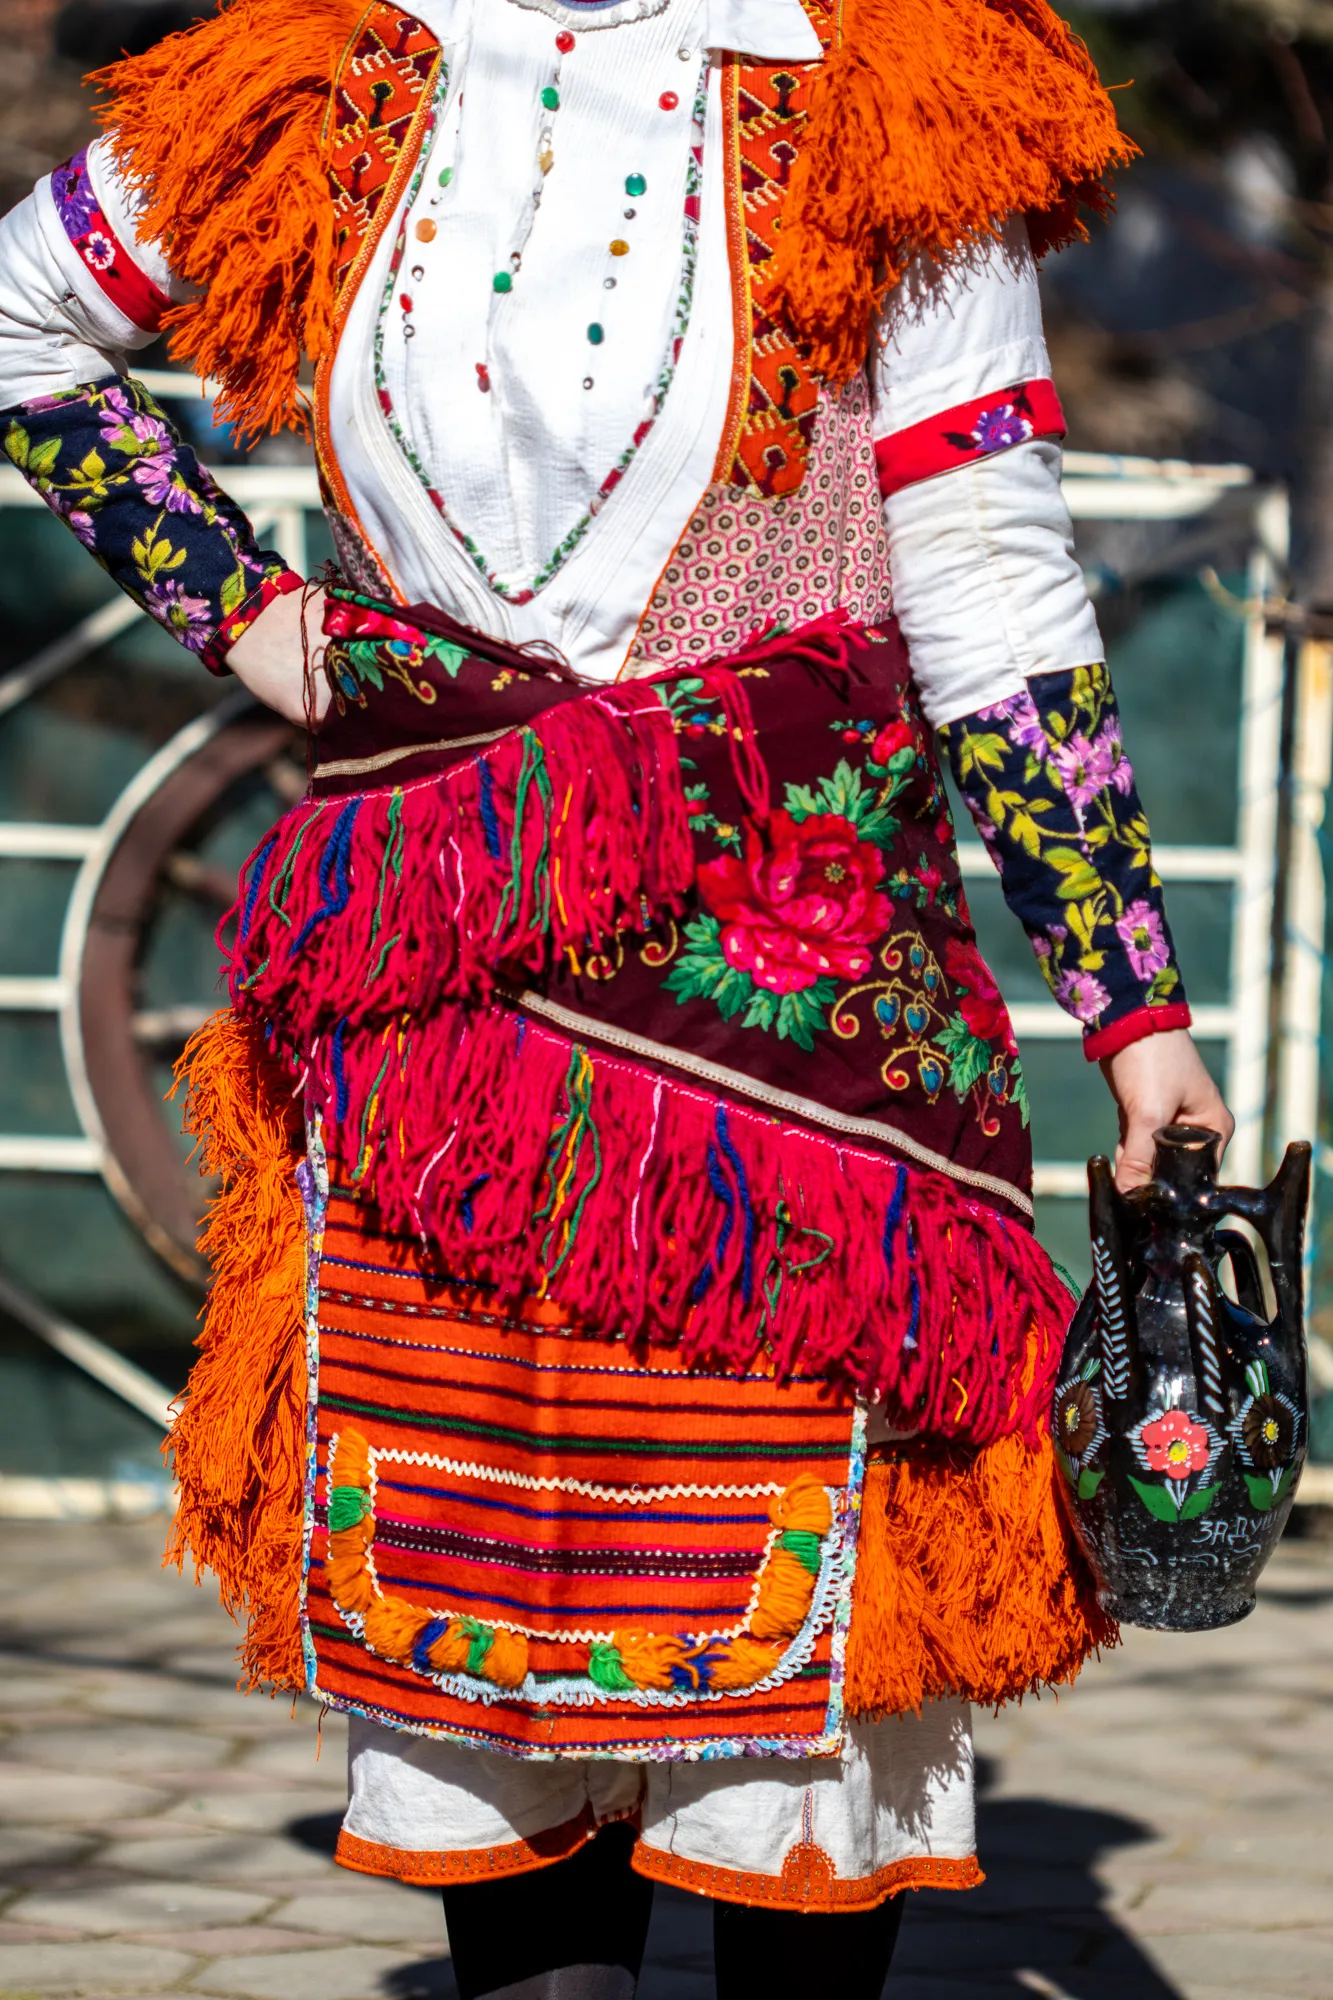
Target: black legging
[[576, 1931]]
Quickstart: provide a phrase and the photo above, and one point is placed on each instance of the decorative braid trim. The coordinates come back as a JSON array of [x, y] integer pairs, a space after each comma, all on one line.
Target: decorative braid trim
[[970, 431], [808, 1881]]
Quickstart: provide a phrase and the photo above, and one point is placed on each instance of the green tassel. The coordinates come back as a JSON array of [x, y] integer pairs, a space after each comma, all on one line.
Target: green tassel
[[607, 1669], [347, 1506], [804, 1546], [482, 1638]]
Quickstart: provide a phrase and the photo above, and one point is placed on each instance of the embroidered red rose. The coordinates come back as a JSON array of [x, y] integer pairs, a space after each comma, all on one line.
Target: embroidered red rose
[[802, 905], [1175, 1444], [892, 738], [980, 1005]]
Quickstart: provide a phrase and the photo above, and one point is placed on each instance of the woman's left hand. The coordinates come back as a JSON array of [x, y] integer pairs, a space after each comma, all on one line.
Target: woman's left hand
[[1160, 1080]]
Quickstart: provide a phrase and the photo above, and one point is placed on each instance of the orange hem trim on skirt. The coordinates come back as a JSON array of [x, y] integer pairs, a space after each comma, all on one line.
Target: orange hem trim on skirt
[[807, 1881], [431, 1869]]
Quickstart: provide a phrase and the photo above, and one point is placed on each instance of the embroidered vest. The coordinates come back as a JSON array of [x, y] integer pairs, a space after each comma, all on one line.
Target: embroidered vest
[[379, 116]]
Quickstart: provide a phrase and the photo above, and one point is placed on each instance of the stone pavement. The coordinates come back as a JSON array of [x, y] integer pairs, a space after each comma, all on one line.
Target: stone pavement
[[1165, 1832]]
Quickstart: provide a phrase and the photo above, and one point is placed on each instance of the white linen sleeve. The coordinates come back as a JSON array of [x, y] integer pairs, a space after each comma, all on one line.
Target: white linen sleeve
[[60, 327], [985, 584]]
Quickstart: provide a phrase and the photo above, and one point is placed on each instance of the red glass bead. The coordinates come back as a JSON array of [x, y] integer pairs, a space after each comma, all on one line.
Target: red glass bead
[[405, 302], [483, 376], [668, 100], [564, 41]]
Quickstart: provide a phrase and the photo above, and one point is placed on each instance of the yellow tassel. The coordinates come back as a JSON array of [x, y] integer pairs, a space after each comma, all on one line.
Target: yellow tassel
[[506, 1661], [968, 1580], [804, 1506], [741, 1662], [648, 1657], [238, 1444], [786, 1588]]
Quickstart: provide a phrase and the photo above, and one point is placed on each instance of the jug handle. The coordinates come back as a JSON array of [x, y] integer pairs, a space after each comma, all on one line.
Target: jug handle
[[1115, 1300]]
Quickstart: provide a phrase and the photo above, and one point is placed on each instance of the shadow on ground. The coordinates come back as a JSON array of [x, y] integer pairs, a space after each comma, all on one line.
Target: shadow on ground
[[1038, 1925]]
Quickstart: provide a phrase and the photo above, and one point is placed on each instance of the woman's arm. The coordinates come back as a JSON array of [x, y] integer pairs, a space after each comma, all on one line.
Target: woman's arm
[[78, 291], [1011, 668]]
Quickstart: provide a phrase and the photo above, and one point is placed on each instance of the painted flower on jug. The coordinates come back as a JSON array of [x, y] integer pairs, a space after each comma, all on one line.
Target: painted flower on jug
[[1077, 1419], [1175, 1444], [1143, 935], [1268, 1432], [801, 905]]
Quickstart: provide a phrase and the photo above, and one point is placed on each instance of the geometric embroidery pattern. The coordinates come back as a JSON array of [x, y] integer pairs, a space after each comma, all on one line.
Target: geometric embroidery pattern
[[382, 83]]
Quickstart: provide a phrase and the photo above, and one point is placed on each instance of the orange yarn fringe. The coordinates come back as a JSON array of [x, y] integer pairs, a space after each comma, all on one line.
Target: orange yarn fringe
[[968, 1581], [930, 123], [238, 1443], [221, 126]]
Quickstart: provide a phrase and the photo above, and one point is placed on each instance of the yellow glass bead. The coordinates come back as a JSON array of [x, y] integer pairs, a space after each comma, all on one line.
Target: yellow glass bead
[[619, 247]]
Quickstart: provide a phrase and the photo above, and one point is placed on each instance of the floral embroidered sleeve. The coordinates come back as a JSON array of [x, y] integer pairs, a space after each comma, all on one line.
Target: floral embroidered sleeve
[[106, 459], [1047, 781]]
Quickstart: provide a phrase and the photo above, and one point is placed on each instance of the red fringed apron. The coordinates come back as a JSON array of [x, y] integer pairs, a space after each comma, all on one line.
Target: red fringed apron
[[668, 1108]]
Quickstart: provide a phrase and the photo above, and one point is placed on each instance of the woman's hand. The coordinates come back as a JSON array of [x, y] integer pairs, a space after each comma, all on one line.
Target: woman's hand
[[1160, 1080], [269, 659]]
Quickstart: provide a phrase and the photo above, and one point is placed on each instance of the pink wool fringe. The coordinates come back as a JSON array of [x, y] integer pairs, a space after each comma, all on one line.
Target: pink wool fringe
[[560, 836], [647, 1207]]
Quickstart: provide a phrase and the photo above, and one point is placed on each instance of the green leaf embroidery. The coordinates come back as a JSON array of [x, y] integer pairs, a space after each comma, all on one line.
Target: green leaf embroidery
[[234, 592], [17, 445], [1078, 879], [802, 1015], [1088, 1482], [42, 460], [969, 1057], [450, 657]]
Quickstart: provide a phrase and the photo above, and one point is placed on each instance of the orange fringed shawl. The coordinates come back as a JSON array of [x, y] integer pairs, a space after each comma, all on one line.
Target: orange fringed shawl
[[930, 121]]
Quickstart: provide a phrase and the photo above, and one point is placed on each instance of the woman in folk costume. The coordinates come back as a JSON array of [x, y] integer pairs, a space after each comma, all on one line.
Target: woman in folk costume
[[627, 1369]]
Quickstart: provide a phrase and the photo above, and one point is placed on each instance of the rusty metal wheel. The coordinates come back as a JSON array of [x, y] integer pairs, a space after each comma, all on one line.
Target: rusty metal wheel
[[116, 1040]]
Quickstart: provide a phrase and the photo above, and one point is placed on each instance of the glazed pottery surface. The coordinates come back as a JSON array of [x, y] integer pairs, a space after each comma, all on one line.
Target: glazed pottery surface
[[1180, 1419]]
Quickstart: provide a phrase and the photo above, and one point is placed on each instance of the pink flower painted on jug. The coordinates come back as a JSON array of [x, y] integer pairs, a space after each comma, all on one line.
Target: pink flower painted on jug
[[1175, 1444], [1143, 935], [802, 905]]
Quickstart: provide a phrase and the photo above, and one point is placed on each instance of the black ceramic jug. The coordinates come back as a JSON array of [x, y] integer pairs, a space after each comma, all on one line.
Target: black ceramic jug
[[1180, 1419]]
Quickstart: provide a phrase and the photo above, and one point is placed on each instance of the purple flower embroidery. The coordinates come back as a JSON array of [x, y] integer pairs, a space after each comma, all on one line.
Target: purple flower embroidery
[[84, 527], [151, 431], [163, 486], [189, 619], [996, 429], [1081, 995], [1084, 767], [76, 204], [1023, 722], [1140, 931], [1112, 744]]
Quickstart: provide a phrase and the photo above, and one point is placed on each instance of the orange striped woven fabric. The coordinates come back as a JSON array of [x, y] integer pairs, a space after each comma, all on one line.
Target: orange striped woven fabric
[[549, 1545]]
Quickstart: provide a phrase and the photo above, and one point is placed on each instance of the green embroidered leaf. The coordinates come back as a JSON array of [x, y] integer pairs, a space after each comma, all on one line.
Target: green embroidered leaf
[[234, 591], [802, 1015], [1164, 984], [93, 467], [364, 656], [449, 656], [801, 802], [17, 445], [969, 1057], [762, 1011], [1199, 1503], [1077, 878], [983, 751], [1018, 1091], [1156, 1499], [42, 460], [1088, 1482], [702, 973]]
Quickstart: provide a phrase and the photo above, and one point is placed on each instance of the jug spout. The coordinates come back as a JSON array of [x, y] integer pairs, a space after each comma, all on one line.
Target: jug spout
[[1186, 1158]]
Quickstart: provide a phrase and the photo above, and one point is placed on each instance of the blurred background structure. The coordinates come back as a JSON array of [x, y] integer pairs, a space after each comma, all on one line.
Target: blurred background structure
[[1193, 345]]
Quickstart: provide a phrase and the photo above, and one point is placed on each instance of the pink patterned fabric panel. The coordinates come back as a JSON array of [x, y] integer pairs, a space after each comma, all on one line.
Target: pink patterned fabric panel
[[746, 564]]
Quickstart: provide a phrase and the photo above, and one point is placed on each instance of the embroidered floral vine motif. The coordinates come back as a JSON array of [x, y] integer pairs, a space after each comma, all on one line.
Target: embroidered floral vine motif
[[1047, 781], [798, 935], [107, 461]]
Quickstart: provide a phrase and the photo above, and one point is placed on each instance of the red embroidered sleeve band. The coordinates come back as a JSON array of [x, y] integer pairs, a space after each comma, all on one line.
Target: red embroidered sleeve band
[[1144, 1021], [969, 432], [214, 655]]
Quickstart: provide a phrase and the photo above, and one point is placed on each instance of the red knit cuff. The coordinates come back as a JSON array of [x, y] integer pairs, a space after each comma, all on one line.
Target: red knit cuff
[[1134, 1027], [974, 430], [214, 655]]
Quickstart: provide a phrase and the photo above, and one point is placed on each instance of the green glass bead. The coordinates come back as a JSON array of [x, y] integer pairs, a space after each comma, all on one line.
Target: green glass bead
[[596, 334], [446, 175], [503, 282], [635, 184], [551, 97]]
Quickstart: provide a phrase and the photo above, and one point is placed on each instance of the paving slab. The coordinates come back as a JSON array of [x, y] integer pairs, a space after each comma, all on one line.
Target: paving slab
[[137, 1906], [341, 1972], [72, 1971]]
